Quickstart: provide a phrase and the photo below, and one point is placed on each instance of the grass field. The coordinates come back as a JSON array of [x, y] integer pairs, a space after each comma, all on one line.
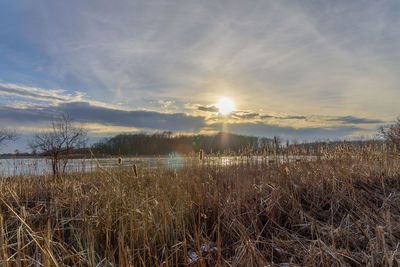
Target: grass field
[[342, 209]]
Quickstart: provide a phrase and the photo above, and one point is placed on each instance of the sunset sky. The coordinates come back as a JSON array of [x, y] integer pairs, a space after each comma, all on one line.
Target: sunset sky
[[302, 70]]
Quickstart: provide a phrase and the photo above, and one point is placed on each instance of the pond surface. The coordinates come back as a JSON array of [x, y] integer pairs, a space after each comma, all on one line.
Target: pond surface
[[39, 166]]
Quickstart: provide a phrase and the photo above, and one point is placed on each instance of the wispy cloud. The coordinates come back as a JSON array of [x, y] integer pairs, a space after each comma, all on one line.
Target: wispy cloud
[[38, 93], [332, 57]]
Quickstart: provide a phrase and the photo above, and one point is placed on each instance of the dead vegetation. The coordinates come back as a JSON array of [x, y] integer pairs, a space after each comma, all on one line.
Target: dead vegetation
[[340, 209]]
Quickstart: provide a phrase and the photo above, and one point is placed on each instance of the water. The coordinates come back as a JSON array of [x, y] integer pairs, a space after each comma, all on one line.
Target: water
[[40, 166]]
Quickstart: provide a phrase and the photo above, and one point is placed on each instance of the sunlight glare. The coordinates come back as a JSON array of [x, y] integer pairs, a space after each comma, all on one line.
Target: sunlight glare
[[225, 106]]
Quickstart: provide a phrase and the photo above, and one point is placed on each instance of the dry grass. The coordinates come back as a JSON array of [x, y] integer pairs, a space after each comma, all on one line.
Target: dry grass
[[343, 209]]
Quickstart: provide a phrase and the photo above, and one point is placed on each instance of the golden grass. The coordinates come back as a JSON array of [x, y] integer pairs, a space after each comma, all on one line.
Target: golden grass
[[340, 209]]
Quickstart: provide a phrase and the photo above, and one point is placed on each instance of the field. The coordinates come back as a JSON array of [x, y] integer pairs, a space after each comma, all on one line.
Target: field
[[341, 209]]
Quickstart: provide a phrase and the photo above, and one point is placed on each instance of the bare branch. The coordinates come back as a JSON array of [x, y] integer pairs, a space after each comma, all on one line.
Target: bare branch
[[58, 143], [392, 132], [7, 135]]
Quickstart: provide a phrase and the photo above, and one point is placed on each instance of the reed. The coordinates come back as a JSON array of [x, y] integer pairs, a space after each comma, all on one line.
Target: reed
[[201, 155], [341, 208], [135, 170]]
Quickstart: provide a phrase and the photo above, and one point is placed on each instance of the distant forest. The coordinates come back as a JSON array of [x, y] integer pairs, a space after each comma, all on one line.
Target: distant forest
[[165, 143], [221, 143]]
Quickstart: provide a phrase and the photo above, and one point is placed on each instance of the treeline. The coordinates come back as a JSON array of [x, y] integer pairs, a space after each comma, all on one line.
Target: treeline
[[165, 143], [221, 143]]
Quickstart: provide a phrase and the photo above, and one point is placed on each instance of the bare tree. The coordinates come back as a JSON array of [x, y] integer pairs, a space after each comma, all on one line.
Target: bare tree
[[59, 142], [7, 135], [392, 132]]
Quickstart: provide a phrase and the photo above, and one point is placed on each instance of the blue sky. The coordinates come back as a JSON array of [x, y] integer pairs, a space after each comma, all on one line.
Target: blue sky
[[299, 69]]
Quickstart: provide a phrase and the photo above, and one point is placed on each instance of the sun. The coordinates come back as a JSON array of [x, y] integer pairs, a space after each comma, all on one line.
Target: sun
[[225, 106]]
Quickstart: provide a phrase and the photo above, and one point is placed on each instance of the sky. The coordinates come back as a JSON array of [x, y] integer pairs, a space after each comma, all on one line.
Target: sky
[[304, 70]]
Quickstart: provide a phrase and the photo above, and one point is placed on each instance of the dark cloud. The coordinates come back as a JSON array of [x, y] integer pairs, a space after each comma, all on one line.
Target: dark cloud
[[26, 116], [355, 120], [85, 112], [210, 108], [344, 119], [261, 129], [245, 115], [294, 118], [267, 117], [284, 117]]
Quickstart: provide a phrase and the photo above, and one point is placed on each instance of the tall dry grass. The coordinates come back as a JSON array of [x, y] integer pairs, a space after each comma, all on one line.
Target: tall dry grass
[[340, 209]]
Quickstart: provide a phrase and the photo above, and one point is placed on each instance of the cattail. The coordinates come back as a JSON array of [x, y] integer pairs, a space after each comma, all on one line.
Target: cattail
[[287, 171], [265, 151], [201, 154], [134, 168], [119, 161]]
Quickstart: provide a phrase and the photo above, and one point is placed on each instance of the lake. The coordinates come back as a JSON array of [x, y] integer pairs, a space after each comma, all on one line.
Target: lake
[[40, 166]]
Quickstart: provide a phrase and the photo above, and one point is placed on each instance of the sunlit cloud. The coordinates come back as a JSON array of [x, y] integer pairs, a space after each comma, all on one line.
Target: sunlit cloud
[[102, 118]]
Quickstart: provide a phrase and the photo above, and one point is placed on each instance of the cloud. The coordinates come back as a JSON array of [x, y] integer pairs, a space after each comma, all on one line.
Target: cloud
[[317, 56], [271, 57], [97, 113], [165, 103], [288, 117], [208, 108], [343, 119], [87, 112], [294, 118], [267, 117], [102, 121], [37, 93], [114, 119], [308, 134], [245, 115], [248, 115], [356, 120]]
